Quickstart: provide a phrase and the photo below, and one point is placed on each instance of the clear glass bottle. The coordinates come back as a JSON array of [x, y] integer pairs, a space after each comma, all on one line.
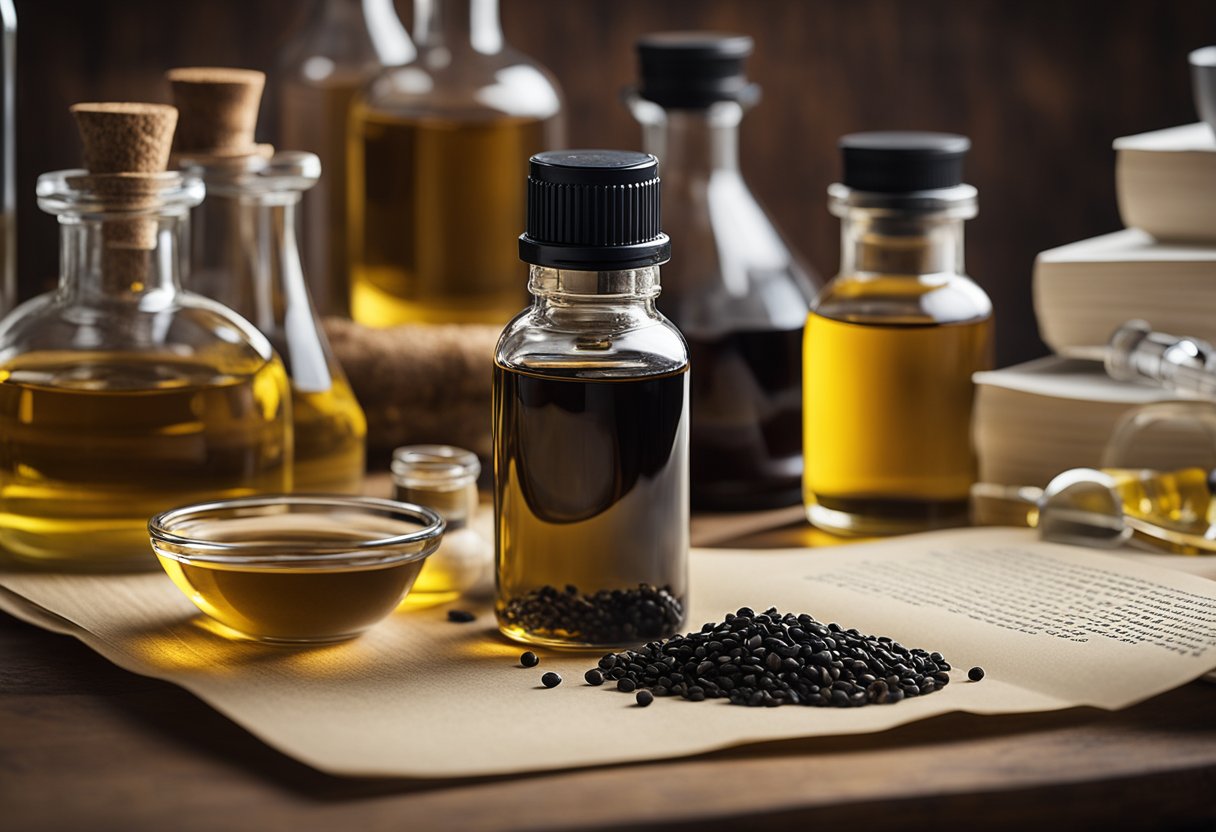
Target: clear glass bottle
[[8, 144], [243, 253], [444, 478], [121, 395], [591, 416], [1176, 362], [436, 172], [736, 291], [322, 71], [892, 342]]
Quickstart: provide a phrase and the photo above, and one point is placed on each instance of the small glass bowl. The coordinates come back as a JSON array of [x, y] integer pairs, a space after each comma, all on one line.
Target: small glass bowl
[[296, 569]]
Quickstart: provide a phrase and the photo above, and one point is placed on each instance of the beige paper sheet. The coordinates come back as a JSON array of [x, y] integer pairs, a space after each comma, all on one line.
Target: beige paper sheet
[[418, 696]]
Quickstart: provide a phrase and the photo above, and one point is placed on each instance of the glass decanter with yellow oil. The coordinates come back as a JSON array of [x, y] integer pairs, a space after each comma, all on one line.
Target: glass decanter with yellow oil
[[892, 342], [438, 158], [121, 395], [244, 253]]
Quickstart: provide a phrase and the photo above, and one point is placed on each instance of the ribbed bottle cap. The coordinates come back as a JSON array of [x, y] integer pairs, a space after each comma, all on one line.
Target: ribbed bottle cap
[[694, 69], [902, 162], [594, 210]]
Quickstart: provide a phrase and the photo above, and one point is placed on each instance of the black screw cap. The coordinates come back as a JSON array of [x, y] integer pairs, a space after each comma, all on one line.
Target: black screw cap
[[594, 210], [903, 162], [692, 70]]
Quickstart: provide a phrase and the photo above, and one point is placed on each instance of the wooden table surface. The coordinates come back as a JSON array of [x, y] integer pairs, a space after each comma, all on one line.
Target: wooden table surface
[[84, 745]]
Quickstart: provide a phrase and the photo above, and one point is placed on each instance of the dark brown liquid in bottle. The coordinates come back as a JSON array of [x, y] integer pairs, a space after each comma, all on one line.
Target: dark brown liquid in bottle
[[746, 440], [590, 490]]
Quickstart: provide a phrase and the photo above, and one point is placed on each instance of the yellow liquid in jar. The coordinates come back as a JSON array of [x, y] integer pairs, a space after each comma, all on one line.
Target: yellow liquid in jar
[[887, 439], [330, 430], [94, 444], [436, 208]]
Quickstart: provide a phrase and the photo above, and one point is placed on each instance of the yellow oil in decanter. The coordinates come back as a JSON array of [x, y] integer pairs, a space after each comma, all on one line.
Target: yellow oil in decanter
[[435, 212], [96, 443], [330, 429]]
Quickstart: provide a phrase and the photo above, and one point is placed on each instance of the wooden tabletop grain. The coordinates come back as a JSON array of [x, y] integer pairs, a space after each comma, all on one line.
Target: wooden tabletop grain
[[84, 745]]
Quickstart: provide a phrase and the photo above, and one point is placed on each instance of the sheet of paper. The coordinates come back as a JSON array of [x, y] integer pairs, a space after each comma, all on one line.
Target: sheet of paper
[[417, 696]]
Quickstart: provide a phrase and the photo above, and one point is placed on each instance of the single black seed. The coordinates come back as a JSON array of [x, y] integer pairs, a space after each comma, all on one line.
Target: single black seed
[[594, 677], [644, 698], [975, 674], [461, 616], [529, 659], [626, 684], [550, 680]]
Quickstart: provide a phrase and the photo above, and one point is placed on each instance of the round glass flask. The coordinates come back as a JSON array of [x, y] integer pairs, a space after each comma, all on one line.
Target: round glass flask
[[121, 395]]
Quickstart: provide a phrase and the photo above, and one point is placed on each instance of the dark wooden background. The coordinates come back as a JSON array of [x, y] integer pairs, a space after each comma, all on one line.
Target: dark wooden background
[[1041, 87]]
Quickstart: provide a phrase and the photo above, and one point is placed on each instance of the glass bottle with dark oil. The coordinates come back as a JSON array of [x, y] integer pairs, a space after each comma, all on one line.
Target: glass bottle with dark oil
[[892, 343], [736, 291], [591, 416]]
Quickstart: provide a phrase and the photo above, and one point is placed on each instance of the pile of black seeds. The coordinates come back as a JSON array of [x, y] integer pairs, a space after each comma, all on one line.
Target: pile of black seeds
[[775, 659], [610, 616]]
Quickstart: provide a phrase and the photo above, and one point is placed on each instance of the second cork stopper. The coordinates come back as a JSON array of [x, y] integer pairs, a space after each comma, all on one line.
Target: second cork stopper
[[219, 109], [121, 137]]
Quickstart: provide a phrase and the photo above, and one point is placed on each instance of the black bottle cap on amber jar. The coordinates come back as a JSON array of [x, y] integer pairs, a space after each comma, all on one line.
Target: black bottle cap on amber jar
[[594, 210], [902, 162], [691, 70]]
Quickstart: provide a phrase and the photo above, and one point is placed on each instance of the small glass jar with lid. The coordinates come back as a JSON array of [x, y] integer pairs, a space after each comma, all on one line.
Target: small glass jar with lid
[[444, 478]]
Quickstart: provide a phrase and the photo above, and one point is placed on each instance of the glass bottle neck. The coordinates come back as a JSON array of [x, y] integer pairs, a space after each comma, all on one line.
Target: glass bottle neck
[[92, 267], [691, 143], [457, 24], [569, 287], [892, 246]]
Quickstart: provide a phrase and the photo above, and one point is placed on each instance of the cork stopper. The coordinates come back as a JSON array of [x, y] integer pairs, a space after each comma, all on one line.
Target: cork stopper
[[125, 138], [219, 110], [126, 149]]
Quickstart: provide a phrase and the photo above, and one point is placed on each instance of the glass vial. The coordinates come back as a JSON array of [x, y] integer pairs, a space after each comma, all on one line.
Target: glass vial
[[1185, 365], [736, 292], [444, 478], [591, 416], [8, 145], [244, 254], [323, 69], [892, 342], [436, 172], [121, 395]]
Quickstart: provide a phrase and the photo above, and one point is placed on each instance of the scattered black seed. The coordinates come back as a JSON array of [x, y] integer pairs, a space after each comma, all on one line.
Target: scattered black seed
[[773, 658], [975, 674], [594, 676], [610, 616], [461, 616], [550, 680], [644, 698], [529, 659]]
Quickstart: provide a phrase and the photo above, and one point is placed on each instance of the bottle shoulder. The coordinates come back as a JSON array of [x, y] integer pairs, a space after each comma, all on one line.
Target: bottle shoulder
[[469, 87], [180, 325], [904, 299], [731, 268], [572, 344]]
